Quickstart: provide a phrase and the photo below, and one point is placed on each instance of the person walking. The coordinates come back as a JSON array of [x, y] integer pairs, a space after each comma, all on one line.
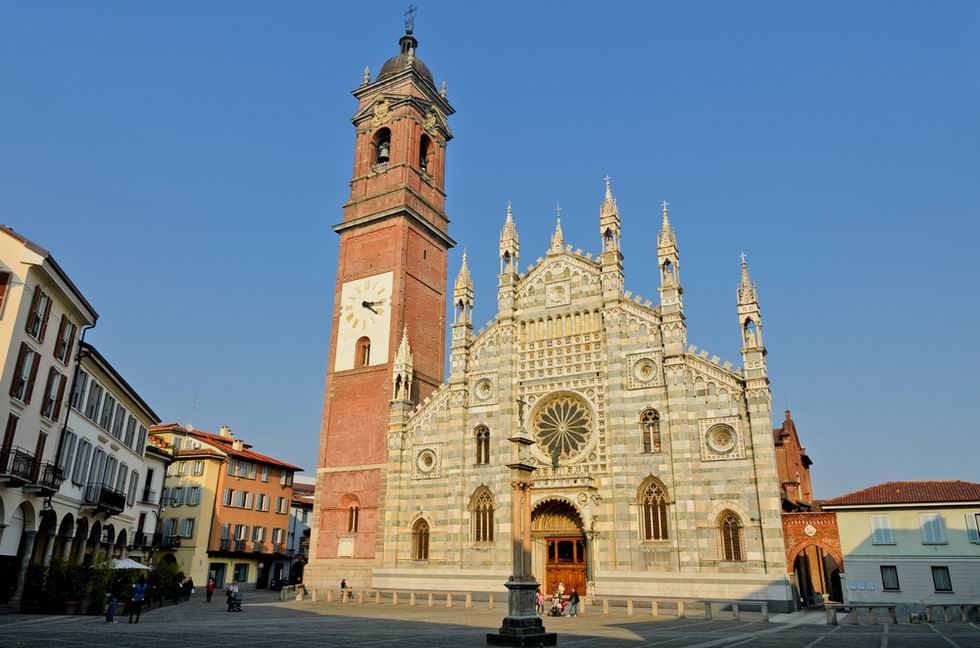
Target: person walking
[[343, 589], [232, 593], [189, 588], [573, 600], [210, 588], [539, 601], [136, 601], [110, 611]]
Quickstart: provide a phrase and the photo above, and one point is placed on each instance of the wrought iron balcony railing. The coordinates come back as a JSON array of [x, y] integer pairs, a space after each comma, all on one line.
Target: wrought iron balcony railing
[[104, 498], [148, 496], [17, 466]]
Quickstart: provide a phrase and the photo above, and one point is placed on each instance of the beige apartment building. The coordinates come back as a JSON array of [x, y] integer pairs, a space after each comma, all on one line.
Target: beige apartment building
[[42, 319]]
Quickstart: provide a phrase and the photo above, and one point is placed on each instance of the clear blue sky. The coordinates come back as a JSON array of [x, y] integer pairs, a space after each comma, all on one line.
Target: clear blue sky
[[184, 162]]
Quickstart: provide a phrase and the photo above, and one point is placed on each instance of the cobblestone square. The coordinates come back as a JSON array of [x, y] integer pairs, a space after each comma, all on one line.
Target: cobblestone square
[[267, 622]]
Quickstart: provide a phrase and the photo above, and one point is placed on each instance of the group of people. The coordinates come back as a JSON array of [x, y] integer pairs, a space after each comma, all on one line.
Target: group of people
[[560, 604], [134, 605]]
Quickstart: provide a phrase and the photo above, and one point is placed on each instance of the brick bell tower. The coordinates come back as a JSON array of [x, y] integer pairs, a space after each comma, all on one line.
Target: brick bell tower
[[391, 278]]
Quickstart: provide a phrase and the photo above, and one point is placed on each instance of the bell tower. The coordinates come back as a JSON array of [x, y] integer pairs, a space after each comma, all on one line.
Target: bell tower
[[391, 285]]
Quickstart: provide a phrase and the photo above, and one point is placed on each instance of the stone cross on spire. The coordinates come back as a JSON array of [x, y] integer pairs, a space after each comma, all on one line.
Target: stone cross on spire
[[609, 195], [410, 18]]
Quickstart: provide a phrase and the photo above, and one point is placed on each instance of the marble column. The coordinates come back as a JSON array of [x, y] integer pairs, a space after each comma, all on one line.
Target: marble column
[[522, 626], [26, 551]]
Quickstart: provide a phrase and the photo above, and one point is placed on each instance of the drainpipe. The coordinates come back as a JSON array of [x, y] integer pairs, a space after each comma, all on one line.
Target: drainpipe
[[74, 379]]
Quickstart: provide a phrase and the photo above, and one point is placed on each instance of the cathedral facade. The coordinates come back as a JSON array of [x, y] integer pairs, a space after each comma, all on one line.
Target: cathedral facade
[[655, 465]]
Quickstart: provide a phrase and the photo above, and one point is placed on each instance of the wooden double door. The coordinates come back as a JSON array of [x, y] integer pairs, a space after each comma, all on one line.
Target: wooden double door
[[565, 563]]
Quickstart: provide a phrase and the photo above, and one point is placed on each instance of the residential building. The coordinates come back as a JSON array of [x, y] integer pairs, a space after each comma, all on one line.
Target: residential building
[[300, 518], [43, 316], [656, 473], [227, 508], [911, 543], [145, 545], [107, 496]]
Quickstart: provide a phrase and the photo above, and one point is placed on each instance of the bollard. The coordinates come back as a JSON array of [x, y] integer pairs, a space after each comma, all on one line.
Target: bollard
[[873, 613], [735, 612], [629, 607], [831, 615], [329, 596], [947, 617], [707, 609], [411, 598], [377, 598], [605, 606], [394, 598], [654, 608], [490, 602], [680, 609], [583, 607], [765, 613], [299, 593], [313, 594], [469, 600], [360, 596], [449, 599], [430, 599], [893, 615]]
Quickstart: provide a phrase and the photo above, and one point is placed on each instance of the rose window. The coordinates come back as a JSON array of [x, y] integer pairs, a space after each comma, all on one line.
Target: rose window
[[563, 425]]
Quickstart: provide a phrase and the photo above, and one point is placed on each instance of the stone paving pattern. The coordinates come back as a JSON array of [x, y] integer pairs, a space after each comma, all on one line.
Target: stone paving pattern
[[267, 622]]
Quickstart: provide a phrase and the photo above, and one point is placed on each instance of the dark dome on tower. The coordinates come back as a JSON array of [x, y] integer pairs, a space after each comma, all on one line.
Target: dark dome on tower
[[396, 64]]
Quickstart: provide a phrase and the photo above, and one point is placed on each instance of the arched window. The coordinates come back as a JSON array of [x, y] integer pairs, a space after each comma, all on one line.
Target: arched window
[[382, 146], [751, 333], [425, 152], [654, 505], [420, 540], [482, 445], [650, 430], [352, 514], [668, 273], [483, 517], [362, 352], [730, 529]]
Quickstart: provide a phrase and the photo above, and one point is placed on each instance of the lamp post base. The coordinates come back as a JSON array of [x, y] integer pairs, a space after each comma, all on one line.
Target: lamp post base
[[522, 626]]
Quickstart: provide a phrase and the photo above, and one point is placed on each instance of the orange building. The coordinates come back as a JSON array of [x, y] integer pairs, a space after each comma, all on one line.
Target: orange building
[[227, 508]]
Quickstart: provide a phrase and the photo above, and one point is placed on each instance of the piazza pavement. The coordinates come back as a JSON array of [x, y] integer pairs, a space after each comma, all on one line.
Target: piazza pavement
[[265, 621]]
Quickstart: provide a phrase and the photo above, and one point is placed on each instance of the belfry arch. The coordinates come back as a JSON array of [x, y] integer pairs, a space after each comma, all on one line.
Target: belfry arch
[[560, 548]]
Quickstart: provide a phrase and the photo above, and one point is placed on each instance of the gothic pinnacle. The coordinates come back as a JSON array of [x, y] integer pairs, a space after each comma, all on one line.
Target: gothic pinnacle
[[558, 238], [463, 279], [367, 74], [666, 225]]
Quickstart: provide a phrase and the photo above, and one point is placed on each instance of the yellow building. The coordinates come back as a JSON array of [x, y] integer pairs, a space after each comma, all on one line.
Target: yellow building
[[911, 543]]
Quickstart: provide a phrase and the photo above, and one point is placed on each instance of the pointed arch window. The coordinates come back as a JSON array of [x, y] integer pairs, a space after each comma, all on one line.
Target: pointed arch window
[[650, 430], [362, 352], [482, 438], [482, 511], [420, 540], [731, 539], [751, 333], [653, 503], [668, 273]]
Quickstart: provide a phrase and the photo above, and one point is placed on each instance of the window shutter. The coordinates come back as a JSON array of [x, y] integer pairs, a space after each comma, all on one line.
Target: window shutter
[[61, 336], [18, 368], [32, 313], [4, 282], [881, 532], [71, 343], [30, 381], [60, 399], [47, 391], [973, 527], [44, 321]]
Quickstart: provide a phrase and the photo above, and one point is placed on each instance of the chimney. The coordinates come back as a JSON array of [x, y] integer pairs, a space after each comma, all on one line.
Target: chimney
[[225, 431], [238, 445]]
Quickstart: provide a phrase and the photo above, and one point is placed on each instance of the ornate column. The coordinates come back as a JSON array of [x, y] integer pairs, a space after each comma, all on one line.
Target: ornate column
[[522, 626]]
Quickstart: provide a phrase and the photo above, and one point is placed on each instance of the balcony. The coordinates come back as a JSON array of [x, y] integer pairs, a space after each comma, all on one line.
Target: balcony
[[224, 545], [167, 541], [48, 481], [240, 545], [142, 541], [277, 547], [104, 498], [148, 497], [258, 547], [16, 467]]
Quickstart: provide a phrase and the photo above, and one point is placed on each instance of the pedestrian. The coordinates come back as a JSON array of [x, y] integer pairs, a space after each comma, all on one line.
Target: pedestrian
[[561, 588], [343, 589], [110, 611], [210, 588], [232, 593], [539, 602], [573, 603], [189, 588], [136, 602]]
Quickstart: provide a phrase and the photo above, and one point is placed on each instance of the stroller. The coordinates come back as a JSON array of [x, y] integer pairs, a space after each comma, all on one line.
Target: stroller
[[557, 606], [236, 602]]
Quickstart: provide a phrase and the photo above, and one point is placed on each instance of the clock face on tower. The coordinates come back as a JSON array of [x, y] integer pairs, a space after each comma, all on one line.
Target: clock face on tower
[[365, 312]]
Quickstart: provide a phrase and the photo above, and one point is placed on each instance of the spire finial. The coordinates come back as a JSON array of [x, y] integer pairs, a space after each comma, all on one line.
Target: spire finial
[[609, 195], [510, 210], [410, 18], [558, 238], [367, 74], [442, 90]]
